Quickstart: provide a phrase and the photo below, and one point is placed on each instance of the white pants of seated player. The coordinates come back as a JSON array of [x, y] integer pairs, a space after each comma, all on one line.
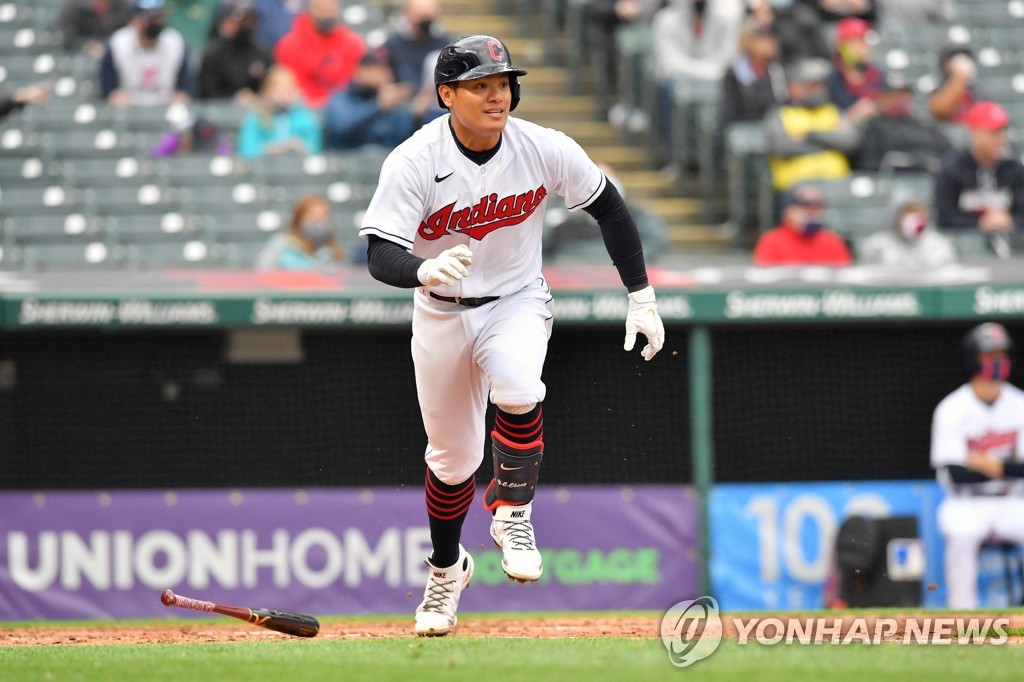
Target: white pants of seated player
[[461, 354], [967, 522]]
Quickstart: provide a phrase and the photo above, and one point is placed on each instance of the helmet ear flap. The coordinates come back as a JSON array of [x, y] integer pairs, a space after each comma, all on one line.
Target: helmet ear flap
[[513, 84]]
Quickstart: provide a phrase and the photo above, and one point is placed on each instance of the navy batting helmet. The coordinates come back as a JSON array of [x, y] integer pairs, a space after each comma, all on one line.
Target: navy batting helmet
[[475, 57], [985, 338]]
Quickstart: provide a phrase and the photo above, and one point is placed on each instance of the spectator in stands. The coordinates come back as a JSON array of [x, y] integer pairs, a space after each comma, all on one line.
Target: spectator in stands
[[372, 110], [976, 444], [86, 25], [605, 17], [896, 16], [194, 20], [193, 134], [234, 66], [146, 62], [275, 20], [911, 241], [755, 83], [981, 187], [418, 37], [895, 138], [855, 79], [310, 242], [796, 27], [279, 122], [832, 11], [20, 98], [693, 39], [954, 95], [801, 238], [808, 138], [323, 53]]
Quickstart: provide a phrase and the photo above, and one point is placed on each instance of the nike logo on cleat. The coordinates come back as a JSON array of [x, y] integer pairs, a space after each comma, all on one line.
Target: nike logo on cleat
[[517, 514], [440, 178], [505, 468]]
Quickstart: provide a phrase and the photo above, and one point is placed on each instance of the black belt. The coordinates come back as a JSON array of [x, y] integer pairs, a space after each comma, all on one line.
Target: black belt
[[468, 302]]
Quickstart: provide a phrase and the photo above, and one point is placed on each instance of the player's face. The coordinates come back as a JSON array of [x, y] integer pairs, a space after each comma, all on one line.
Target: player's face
[[480, 108]]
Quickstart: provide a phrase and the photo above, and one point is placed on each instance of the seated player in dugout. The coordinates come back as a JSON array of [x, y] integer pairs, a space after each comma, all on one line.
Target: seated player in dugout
[[977, 448], [458, 215]]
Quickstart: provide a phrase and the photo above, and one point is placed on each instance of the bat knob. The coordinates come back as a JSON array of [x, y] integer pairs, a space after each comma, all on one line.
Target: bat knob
[[167, 597]]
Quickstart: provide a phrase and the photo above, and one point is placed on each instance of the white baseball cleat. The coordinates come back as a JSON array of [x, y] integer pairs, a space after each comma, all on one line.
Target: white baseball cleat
[[435, 616], [513, 533]]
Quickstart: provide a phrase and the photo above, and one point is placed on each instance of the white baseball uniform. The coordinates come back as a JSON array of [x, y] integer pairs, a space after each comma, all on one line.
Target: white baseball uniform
[[974, 512], [430, 198]]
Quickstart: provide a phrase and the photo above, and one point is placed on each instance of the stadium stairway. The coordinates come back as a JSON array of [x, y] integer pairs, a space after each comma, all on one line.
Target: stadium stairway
[[547, 101]]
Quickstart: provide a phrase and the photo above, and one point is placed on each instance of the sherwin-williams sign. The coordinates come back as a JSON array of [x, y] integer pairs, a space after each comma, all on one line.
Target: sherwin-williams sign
[[328, 551]]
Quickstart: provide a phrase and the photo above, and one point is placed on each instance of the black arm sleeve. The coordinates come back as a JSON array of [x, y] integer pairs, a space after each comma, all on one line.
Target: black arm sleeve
[[7, 105], [1013, 470], [961, 474], [391, 263], [620, 237]]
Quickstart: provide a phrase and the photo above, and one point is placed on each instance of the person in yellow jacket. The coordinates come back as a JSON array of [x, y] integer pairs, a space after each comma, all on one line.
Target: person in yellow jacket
[[808, 138]]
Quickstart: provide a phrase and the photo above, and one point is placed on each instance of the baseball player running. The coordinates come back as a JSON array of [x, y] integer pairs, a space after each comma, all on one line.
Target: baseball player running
[[977, 445], [458, 214]]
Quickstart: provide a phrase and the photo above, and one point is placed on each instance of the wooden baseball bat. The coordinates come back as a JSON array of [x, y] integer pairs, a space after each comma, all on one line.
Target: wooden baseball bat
[[296, 624]]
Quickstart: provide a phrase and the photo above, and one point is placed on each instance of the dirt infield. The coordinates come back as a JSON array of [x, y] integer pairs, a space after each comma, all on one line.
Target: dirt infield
[[221, 631], [570, 627]]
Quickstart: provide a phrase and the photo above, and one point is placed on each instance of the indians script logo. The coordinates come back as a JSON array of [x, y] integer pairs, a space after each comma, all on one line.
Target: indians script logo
[[993, 441], [486, 216], [691, 631]]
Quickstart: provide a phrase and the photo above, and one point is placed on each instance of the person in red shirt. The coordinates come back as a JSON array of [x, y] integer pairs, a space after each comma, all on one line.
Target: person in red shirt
[[802, 238], [322, 52]]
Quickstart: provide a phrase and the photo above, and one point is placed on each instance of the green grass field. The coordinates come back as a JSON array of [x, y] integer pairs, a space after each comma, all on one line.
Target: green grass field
[[498, 659], [507, 660]]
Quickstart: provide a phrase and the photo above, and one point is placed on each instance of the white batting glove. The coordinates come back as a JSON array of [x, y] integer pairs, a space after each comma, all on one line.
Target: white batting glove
[[449, 267], [643, 317]]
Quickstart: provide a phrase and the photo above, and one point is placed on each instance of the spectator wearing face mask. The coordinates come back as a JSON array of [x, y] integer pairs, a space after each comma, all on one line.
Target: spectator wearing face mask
[[801, 238], [808, 138], [310, 242], [279, 123], [855, 80], [418, 36], [322, 52], [146, 63], [954, 96], [234, 66], [911, 241], [895, 137], [372, 110]]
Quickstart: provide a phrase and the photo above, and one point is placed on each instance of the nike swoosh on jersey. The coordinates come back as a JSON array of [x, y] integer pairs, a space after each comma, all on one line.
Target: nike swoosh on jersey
[[505, 468], [440, 178]]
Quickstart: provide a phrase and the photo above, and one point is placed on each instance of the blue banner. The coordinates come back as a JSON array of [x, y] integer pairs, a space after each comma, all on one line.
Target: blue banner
[[772, 545]]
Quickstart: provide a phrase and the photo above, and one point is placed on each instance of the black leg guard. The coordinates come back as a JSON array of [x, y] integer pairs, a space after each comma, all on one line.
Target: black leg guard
[[516, 469]]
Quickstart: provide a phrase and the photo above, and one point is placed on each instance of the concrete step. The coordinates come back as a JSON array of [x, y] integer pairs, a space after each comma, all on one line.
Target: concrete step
[[469, 22], [688, 236]]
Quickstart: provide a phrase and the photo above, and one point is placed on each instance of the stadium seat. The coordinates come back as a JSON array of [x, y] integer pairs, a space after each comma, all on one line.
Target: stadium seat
[[149, 198], [26, 172], [16, 14], [173, 254], [291, 169], [206, 199], [93, 255], [127, 171], [87, 144], [226, 115], [136, 228], [54, 199], [241, 254], [16, 142], [67, 115], [71, 228], [184, 171], [243, 225], [26, 40], [156, 119]]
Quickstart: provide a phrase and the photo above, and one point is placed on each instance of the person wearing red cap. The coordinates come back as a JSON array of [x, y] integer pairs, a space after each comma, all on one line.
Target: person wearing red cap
[[802, 238], [855, 80], [981, 187]]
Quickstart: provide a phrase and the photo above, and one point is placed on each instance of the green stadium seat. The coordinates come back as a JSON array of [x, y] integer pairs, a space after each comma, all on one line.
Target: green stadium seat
[[173, 254], [207, 199], [241, 254], [26, 40], [127, 171], [749, 182], [26, 172], [54, 199], [20, 69], [93, 255], [16, 14], [149, 198], [243, 225], [136, 228], [87, 144], [67, 115], [854, 221], [293, 168], [184, 171], [142, 119], [67, 228]]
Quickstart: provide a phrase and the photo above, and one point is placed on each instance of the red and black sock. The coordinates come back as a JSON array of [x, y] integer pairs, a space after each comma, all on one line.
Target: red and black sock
[[521, 429], [447, 506]]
